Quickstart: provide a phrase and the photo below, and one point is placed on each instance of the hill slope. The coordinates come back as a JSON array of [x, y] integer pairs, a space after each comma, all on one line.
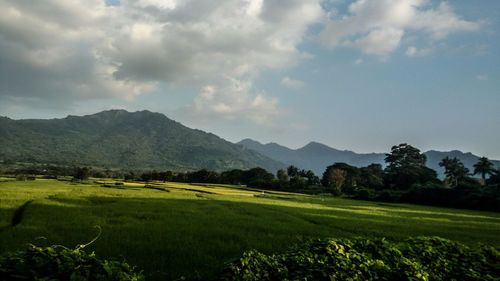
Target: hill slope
[[316, 156], [120, 139]]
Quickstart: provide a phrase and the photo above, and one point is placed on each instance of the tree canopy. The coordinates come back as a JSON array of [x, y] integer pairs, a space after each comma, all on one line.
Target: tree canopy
[[454, 170], [406, 166], [483, 167]]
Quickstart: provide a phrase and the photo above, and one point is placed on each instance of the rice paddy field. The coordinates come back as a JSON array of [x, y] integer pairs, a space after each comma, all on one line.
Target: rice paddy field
[[174, 230]]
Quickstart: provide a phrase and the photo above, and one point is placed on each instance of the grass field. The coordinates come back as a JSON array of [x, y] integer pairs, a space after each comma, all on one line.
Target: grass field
[[191, 230]]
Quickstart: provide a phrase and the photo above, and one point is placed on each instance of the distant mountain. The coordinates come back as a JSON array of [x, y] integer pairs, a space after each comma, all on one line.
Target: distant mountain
[[316, 156], [469, 159], [121, 139]]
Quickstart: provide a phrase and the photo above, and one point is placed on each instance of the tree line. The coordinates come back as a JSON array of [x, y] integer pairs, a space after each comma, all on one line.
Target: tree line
[[405, 178]]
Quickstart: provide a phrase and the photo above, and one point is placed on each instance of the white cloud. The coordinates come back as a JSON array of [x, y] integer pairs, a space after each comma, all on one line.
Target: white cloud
[[84, 49], [377, 26], [291, 83], [412, 51], [358, 61], [482, 77], [233, 99], [442, 21], [379, 41], [162, 4]]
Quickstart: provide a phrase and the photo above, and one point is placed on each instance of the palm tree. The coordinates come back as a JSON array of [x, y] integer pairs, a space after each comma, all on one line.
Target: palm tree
[[454, 170], [483, 167]]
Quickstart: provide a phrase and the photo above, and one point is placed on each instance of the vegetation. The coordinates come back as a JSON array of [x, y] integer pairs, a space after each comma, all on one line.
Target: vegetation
[[422, 258], [483, 167], [455, 171], [406, 166], [81, 173], [334, 179], [194, 229], [60, 263]]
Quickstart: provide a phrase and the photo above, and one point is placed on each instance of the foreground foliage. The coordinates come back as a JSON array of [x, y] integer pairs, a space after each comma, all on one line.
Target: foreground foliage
[[61, 263], [421, 258]]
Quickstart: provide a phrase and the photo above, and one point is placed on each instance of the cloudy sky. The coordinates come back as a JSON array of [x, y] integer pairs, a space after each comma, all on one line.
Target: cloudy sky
[[360, 75]]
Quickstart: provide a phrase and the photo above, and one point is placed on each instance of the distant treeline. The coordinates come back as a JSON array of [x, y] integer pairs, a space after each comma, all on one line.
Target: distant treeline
[[405, 179]]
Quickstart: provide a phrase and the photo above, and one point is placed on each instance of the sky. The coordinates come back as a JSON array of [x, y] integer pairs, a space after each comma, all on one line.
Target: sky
[[360, 75]]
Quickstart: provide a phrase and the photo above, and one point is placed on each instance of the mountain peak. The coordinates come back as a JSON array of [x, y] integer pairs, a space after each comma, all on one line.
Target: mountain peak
[[137, 117], [315, 144], [111, 112], [249, 141], [317, 147]]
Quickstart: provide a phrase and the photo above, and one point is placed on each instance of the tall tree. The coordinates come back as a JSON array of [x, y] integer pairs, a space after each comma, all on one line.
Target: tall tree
[[494, 177], [282, 176], [292, 171], [82, 173], [454, 170], [352, 175], [371, 176], [483, 167], [406, 166], [258, 177], [312, 179], [334, 179], [404, 155]]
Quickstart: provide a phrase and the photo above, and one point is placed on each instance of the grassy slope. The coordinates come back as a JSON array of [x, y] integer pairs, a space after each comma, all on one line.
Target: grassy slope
[[183, 232]]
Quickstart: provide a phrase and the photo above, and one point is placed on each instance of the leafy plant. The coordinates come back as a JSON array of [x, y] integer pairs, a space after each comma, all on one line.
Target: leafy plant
[[60, 263], [422, 258]]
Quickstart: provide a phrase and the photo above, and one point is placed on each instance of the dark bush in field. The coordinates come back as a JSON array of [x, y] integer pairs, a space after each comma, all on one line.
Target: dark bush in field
[[21, 177], [477, 198], [423, 258], [60, 263]]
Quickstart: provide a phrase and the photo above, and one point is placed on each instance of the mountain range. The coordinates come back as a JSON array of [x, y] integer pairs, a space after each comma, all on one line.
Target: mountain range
[[316, 156], [120, 139], [146, 140]]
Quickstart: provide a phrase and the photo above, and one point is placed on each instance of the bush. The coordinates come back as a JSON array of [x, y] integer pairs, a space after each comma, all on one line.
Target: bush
[[422, 258], [61, 263], [485, 198], [365, 194]]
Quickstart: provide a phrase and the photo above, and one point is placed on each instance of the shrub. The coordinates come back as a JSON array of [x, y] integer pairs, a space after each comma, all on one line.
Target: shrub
[[365, 194], [423, 258], [61, 263]]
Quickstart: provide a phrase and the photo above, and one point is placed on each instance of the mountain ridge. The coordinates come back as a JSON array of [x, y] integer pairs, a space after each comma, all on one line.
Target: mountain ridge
[[150, 140], [121, 139], [316, 156]]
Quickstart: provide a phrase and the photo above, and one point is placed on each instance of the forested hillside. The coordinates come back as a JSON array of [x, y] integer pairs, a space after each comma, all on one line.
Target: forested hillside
[[121, 139]]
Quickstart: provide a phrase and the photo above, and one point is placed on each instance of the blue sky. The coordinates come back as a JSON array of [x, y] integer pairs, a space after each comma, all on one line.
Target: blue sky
[[357, 75]]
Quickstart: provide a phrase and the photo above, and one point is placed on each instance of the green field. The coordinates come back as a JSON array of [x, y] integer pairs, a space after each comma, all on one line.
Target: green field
[[192, 230]]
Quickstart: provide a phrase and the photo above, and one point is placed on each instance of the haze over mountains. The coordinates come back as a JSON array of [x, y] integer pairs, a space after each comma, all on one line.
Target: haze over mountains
[[316, 156], [146, 140]]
